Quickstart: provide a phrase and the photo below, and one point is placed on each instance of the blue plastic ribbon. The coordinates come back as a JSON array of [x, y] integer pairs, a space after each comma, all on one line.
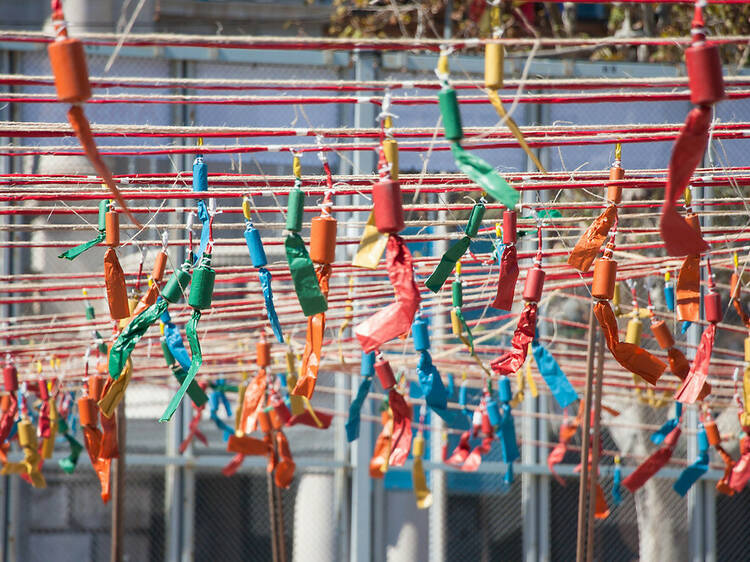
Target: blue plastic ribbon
[[214, 401], [265, 284], [553, 376], [462, 397], [451, 385], [204, 217], [432, 387], [176, 345], [685, 325], [367, 370], [508, 436], [657, 438], [698, 468], [617, 485]]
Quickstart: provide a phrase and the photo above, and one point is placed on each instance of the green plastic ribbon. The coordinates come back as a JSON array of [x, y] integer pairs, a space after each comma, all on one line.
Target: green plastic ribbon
[[447, 263], [191, 330], [68, 464], [194, 390], [485, 176], [306, 284], [73, 253], [131, 335]]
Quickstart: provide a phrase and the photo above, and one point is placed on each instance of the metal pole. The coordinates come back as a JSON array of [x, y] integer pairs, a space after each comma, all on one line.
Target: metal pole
[[272, 517], [593, 477], [118, 490], [361, 526], [580, 541]]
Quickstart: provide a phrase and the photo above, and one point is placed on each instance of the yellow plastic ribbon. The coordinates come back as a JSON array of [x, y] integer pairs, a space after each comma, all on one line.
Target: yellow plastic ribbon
[[116, 391], [371, 246], [745, 416], [419, 480], [48, 445], [31, 458], [298, 405], [514, 128]]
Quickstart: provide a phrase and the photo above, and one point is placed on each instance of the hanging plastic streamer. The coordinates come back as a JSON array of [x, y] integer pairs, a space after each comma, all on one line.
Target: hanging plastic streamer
[[506, 284], [688, 289], [396, 319], [201, 292], [367, 371], [73, 253], [200, 185], [479, 171], [216, 399], [419, 480], [195, 390], [430, 382], [114, 277], [68, 464], [448, 261], [259, 261], [692, 386], [400, 443], [706, 88], [741, 471], [31, 457], [301, 267], [459, 326], [493, 81], [553, 375], [507, 428], [387, 215], [654, 463], [322, 252], [511, 361], [698, 468], [568, 429], [714, 439], [617, 482], [68, 61], [174, 343], [735, 293], [657, 438], [10, 384], [194, 431], [589, 244], [92, 435], [382, 450]]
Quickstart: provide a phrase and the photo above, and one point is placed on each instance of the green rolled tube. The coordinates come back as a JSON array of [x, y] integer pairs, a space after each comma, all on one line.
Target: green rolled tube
[[448, 103], [103, 214], [202, 288], [177, 283], [457, 292], [295, 210], [475, 220]]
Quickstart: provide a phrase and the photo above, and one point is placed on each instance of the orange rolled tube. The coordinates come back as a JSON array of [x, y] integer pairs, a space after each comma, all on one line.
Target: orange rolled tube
[[693, 220], [264, 421], [117, 292], [68, 61], [95, 386], [712, 432], [112, 219], [88, 412], [662, 334], [263, 352], [603, 284], [323, 239], [614, 192], [160, 265]]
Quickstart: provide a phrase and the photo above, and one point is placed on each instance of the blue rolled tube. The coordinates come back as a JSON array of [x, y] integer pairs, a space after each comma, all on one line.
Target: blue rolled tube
[[421, 335], [255, 246], [367, 367], [493, 412], [503, 390], [200, 174]]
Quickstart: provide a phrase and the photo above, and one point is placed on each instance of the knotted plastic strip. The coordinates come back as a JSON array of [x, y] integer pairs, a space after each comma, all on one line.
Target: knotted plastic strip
[[31, 457], [511, 361], [395, 319], [506, 284], [448, 261], [73, 253], [201, 293], [654, 463], [634, 358], [367, 371], [418, 478], [479, 171], [553, 375], [430, 382], [312, 355]]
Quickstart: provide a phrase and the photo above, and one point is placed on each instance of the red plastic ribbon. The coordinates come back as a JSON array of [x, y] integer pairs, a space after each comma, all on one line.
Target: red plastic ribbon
[[654, 463], [462, 450], [396, 319], [557, 454], [633, 358], [679, 237], [692, 386], [9, 417], [401, 437], [193, 431], [510, 362], [590, 242], [506, 284], [741, 471]]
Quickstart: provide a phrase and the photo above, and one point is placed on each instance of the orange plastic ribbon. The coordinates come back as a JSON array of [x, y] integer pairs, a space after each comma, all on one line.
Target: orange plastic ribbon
[[635, 359], [382, 451], [590, 242], [108, 448], [688, 290], [285, 468], [316, 325], [253, 402]]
